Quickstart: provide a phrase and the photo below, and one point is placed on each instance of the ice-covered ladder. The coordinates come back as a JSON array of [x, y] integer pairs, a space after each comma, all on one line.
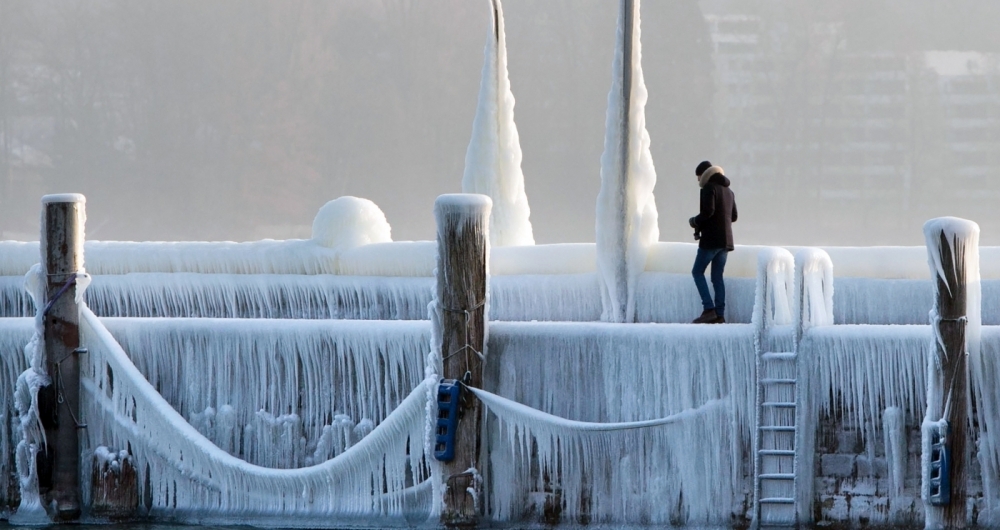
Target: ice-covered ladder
[[775, 477], [775, 434]]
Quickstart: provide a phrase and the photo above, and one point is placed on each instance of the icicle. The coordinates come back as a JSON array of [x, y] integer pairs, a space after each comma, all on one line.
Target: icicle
[[189, 476], [576, 371], [659, 479], [626, 209], [251, 370], [493, 159], [14, 334]]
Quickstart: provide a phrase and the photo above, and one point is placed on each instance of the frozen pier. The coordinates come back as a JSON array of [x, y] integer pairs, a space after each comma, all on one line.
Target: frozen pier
[[814, 397], [349, 379]]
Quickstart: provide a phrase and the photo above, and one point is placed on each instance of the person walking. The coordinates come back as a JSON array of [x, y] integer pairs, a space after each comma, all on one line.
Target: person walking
[[714, 231]]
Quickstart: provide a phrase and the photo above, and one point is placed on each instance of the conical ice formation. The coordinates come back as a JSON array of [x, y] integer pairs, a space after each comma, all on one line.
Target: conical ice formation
[[626, 210], [493, 161]]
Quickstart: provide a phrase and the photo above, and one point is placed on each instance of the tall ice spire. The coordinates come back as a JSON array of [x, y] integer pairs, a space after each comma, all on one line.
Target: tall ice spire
[[493, 160], [626, 210]]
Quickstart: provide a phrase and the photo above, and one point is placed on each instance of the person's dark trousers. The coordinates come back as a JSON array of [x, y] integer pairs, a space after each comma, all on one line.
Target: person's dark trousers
[[717, 257]]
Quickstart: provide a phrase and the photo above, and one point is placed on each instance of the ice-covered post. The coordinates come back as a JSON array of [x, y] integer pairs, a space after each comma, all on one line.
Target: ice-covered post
[[463, 257], [953, 257], [59, 403], [626, 209]]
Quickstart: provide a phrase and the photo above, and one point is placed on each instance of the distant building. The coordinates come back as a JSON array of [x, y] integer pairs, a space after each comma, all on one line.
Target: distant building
[[846, 133]]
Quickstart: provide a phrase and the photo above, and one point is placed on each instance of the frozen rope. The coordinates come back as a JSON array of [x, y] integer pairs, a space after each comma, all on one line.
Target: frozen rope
[[369, 478], [507, 409], [59, 294]]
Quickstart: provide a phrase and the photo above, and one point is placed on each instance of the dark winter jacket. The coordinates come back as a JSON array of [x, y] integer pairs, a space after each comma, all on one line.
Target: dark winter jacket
[[718, 211]]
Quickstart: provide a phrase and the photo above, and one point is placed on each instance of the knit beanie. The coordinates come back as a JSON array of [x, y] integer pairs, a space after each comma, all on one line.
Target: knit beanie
[[702, 167]]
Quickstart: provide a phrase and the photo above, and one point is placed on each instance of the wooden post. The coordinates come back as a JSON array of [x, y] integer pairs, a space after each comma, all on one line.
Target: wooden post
[[953, 377], [114, 485], [463, 254], [59, 403]]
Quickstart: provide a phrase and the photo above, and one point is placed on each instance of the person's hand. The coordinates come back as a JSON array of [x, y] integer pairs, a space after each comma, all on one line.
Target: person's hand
[[692, 223]]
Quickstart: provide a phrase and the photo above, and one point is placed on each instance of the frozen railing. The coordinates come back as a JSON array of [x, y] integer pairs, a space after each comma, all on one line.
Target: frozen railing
[[384, 281]]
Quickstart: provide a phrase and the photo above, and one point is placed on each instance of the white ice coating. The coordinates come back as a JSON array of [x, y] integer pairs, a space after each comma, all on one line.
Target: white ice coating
[[860, 370], [894, 438], [32, 435], [188, 475], [585, 461], [555, 297], [493, 160], [962, 238], [814, 278], [277, 393], [626, 209], [260, 296], [774, 289], [349, 222], [625, 373], [14, 334]]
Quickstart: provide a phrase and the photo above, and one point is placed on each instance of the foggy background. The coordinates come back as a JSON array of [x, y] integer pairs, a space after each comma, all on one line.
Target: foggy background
[[841, 122]]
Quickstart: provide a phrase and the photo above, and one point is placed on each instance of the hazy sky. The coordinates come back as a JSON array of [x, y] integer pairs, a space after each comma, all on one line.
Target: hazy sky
[[238, 119]]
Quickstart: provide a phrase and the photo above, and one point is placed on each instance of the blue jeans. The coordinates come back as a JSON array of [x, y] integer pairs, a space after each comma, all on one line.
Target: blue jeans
[[717, 257]]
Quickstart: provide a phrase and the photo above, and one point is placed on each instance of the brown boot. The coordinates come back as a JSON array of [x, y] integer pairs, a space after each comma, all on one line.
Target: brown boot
[[719, 320], [707, 317]]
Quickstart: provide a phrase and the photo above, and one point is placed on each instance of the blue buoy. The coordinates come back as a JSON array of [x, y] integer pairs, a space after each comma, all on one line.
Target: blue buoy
[[449, 392], [940, 467]]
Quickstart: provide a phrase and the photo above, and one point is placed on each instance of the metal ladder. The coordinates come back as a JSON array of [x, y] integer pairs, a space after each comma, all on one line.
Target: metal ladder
[[775, 483]]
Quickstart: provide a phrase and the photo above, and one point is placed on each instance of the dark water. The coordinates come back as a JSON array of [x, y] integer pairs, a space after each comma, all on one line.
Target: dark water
[[361, 526]]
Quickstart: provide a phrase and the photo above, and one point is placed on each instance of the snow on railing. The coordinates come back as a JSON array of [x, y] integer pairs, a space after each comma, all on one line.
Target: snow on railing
[[189, 475], [775, 288], [813, 300]]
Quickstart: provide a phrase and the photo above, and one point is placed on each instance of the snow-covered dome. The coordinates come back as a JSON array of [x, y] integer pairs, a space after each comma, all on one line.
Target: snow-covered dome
[[348, 222]]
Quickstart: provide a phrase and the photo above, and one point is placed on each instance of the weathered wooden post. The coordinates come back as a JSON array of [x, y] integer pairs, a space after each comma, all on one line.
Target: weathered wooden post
[[114, 484], [952, 245], [59, 403], [463, 254]]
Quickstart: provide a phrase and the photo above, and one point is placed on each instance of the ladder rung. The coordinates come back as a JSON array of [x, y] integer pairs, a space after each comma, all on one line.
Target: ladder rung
[[778, 500], [778, 476], [777, 452], [777, 381], [779, 404], [778, 356], [777, 428]]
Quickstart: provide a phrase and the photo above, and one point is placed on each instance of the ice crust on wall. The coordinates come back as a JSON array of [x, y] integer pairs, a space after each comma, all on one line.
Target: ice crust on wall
[[15, 333], [984, 372], [626, 209], [260, 296], [677, 454], [860, 370], [622, 373], [493, 159], [278, 393], [662, 297], [189, 476], [416, 258]]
